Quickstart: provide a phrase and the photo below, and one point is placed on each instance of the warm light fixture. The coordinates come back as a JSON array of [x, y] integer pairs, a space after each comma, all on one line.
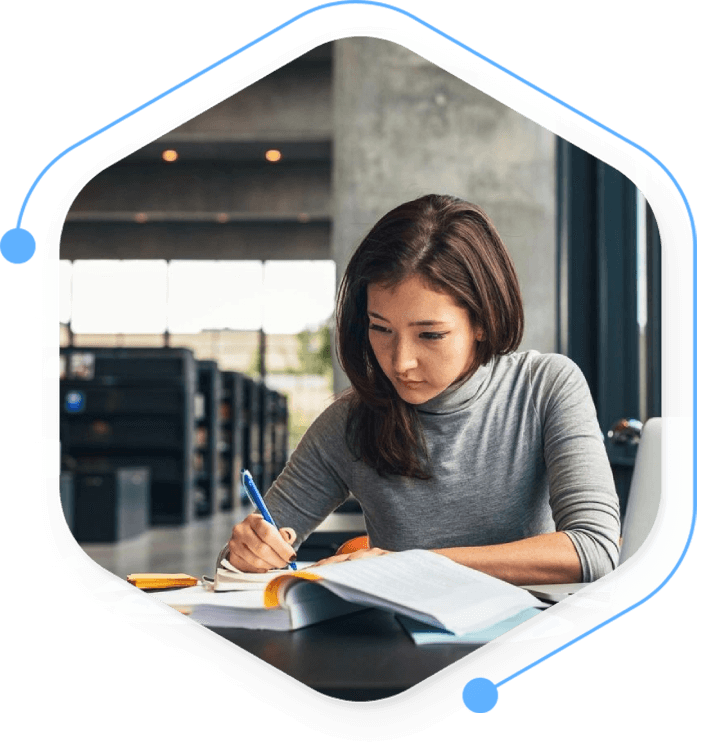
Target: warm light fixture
[[170, 155], [222, 218], [273, 155], [141, 217]]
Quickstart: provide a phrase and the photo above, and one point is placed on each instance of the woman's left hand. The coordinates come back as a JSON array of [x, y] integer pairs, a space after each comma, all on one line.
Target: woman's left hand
[[372, 552]]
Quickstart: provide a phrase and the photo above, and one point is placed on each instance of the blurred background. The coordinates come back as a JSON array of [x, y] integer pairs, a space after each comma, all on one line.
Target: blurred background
[[198, 279]]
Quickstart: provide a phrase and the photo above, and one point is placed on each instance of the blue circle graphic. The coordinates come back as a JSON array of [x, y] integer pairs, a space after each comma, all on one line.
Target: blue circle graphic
[[480, 695], [17, 245]]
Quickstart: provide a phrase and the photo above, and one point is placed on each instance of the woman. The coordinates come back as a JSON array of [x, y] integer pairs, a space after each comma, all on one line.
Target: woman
[[449, 439]]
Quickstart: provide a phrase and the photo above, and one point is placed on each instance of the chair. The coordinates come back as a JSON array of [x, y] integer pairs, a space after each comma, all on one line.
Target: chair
[[644, 492]]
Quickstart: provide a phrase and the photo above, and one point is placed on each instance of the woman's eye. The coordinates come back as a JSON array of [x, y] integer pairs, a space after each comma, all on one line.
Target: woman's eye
[[380, 329], [432, 336]]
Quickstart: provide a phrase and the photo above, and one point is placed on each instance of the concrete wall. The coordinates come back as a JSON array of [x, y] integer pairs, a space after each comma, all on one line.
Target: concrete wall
[[403, 128]]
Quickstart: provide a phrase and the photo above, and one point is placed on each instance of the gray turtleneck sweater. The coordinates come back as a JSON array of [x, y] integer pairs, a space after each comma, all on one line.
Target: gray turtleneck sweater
[[516, 451]]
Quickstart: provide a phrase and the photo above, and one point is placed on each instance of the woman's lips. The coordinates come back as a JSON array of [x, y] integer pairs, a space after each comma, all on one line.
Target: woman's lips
[[410, 383]]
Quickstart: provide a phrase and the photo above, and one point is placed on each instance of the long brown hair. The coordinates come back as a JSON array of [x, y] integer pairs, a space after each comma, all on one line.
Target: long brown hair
[[453, 246]]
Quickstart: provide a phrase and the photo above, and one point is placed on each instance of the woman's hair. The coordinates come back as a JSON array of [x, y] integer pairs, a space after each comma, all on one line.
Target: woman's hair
[[454, 248]]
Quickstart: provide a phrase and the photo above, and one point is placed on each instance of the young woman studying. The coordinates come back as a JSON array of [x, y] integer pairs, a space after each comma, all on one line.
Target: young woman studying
[[449, 439]]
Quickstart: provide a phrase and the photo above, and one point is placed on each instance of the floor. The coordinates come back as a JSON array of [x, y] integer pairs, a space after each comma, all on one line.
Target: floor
[[194, 548], [191, 549]]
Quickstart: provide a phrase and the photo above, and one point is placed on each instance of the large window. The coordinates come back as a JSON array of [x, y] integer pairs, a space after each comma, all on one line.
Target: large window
[[242, 314], [153, 296]]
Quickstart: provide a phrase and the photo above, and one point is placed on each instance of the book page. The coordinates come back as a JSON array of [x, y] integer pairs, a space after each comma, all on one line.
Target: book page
[[429, 587]]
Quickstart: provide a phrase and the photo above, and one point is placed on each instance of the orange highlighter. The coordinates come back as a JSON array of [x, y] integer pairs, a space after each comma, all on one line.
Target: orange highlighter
[[161, 580]]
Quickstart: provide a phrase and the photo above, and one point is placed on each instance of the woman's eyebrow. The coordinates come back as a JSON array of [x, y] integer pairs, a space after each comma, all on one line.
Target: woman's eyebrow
[[415, 323]]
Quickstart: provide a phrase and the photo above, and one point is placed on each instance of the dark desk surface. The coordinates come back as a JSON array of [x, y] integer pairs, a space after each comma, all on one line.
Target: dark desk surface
[[365, 656]]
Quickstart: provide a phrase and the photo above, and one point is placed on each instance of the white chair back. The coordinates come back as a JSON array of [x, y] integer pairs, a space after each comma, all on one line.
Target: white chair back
[[644, 492]]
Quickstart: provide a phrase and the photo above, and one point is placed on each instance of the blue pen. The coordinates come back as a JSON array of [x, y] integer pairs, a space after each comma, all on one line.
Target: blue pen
[[253, 493]]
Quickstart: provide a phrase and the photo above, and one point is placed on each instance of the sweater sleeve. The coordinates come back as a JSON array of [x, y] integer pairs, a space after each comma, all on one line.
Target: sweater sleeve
[[583, 499]]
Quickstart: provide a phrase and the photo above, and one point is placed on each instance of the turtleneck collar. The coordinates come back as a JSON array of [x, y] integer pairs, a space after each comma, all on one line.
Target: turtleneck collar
[[460, 395]]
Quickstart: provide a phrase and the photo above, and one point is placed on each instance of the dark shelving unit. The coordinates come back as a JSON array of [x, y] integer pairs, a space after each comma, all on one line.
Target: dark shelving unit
[[207, 433], [133, 407], [231, 439], [251, 452], [273, 435], [193, 427], [281, 433]]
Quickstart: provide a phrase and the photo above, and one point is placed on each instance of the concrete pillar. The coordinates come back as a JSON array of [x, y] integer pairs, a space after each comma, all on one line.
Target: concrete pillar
[[404, 127]]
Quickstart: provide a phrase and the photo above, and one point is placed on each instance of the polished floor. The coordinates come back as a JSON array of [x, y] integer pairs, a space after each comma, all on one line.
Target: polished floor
[[194, 547], [191, 549]]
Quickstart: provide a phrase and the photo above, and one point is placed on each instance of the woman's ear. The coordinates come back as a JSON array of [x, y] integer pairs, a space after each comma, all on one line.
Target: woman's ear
[[480, 335]]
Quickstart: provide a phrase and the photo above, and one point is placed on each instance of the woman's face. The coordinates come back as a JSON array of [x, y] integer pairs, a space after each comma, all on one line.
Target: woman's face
[[422, 339]]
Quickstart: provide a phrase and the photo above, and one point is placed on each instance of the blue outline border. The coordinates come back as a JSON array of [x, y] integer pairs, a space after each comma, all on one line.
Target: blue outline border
[[549, 96], [611, 619], [375, 4]]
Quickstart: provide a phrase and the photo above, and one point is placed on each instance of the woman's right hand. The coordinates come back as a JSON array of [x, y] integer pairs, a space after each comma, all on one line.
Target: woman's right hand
[[256, 546]]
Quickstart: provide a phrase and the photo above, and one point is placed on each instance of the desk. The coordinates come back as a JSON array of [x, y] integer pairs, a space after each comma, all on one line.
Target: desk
[[359, 657], [369, 655]]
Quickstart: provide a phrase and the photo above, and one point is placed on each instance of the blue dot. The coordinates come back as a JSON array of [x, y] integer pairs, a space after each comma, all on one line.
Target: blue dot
[[480, 695], [17, 245]]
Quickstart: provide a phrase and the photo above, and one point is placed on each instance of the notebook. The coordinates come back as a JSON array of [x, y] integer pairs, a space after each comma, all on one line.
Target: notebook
[[424, 635], [229, 578]]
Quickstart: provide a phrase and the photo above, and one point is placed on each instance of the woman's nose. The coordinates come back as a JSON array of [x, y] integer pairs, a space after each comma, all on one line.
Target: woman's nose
[[403, 357]]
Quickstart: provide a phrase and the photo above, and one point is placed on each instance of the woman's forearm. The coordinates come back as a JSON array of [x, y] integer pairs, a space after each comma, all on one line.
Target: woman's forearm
[[547, 558]]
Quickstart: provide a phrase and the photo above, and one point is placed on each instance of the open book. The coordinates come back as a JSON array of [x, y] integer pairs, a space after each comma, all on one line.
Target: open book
[[420, 584]]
